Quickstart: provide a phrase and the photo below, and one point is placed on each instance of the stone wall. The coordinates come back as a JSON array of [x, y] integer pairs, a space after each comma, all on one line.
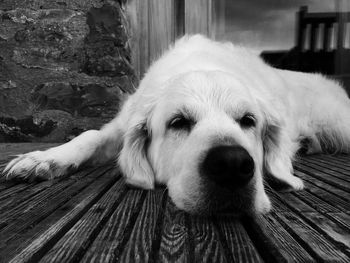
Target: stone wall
[[64, 67]]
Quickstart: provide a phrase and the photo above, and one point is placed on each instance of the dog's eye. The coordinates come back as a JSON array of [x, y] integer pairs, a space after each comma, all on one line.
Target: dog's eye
[[247, 121], [180, 123]]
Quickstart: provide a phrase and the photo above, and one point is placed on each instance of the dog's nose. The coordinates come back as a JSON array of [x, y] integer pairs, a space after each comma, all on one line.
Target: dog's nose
[[230, 167]]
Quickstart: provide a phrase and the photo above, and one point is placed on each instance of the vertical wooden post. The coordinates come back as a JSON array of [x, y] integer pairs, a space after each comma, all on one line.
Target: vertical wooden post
[[218, 16], [161, 17], [179, 18], [314, 32], [138, 16], [301, 28], [327, 31], [153, 30], [197, 16], [341, 20]]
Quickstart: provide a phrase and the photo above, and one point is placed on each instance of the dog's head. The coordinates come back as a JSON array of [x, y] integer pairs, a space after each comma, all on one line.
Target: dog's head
[[207, 137]]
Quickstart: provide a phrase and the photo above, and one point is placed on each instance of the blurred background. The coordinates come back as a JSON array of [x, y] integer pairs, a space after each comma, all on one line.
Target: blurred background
[[66, 65]]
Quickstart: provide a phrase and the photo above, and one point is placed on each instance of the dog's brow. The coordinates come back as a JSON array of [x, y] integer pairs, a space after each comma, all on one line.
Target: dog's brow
[[239, 109], [186, 112]]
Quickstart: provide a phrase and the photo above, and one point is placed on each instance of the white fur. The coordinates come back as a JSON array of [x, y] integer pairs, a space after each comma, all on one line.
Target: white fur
[[217, 83]]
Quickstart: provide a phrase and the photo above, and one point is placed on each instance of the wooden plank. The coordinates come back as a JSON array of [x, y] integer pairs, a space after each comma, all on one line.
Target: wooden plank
[[342, 219], [161, 26], [317, 203], [282, 200], [205, 238], [23, 196], [304, 202], [6, 185], [331, 160], [339, 234], [72, 246], [44, 204], [7, 193], [56, 186], [138, 16], [8, 150], [115, 233], [236, 242], [143, 242], [314, 242], [326, 168], [325, 177], [197, 17], [175, 244], [33, 244], [314, 39], [179, 18], [319, 218], [344, 157], [274, 243], [322, 185], [327, 31]]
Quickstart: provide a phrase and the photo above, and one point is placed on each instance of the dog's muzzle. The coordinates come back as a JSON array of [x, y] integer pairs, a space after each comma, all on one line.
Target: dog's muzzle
[[228, 167]]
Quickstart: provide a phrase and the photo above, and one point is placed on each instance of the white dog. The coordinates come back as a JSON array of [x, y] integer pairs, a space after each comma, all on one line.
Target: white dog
[[208, 120]]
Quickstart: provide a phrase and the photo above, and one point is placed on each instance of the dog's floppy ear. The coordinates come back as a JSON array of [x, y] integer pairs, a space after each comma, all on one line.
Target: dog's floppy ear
[[278, 150], [133, 156]]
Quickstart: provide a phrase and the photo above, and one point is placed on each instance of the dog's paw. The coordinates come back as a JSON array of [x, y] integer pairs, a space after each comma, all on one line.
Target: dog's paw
[[33, 166], [292, 183], [286, 184], [296, 183]]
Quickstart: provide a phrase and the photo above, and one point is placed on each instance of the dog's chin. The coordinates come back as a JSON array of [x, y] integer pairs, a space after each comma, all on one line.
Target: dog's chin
[[220, 202]]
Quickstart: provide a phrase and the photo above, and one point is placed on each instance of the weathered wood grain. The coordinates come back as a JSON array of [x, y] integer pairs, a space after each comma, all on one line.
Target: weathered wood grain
[[329, 162], [328, 224], [6, 184], [340, 193], [342, 219], [6, 193], [174, 246], [57, 186], [328, 169], [315, 243], [116, 232], [207, 242], [72, 246], [161, 27], [273, 241], [236, 242], [17, 198], [92, 217], [33, 244], [198, 17], [344, 157], [325, 177], [22, 218], [313, 201], [143, 238], [316, 214]]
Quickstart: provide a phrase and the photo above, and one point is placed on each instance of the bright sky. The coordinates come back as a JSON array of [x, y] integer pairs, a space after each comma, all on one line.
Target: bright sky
[[267, 24]]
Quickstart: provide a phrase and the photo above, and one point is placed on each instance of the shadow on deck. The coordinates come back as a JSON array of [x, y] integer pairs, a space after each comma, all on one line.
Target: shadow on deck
[[93, 217]]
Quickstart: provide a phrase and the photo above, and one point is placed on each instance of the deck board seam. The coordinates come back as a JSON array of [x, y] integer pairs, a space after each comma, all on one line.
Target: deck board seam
[[299, 214], [346, 189], [129, 227], [155, 247], [41, 252]]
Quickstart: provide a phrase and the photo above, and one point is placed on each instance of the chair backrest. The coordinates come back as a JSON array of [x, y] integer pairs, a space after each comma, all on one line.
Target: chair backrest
[[321, 31]]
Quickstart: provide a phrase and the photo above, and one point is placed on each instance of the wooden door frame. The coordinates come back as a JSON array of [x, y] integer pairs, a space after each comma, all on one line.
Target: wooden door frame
[[155, 24]]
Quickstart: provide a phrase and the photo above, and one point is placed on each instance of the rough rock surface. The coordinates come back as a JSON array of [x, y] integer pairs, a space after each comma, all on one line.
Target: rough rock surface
[[64, 67]]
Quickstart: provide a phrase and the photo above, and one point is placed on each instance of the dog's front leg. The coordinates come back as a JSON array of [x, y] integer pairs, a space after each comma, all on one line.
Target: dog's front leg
[[94, 146]]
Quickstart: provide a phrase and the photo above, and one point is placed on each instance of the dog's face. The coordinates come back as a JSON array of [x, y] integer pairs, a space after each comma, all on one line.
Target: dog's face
[[205, 142]]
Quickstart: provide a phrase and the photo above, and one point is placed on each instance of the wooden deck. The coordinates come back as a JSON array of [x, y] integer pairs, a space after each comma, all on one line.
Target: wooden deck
[[93, 217]]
